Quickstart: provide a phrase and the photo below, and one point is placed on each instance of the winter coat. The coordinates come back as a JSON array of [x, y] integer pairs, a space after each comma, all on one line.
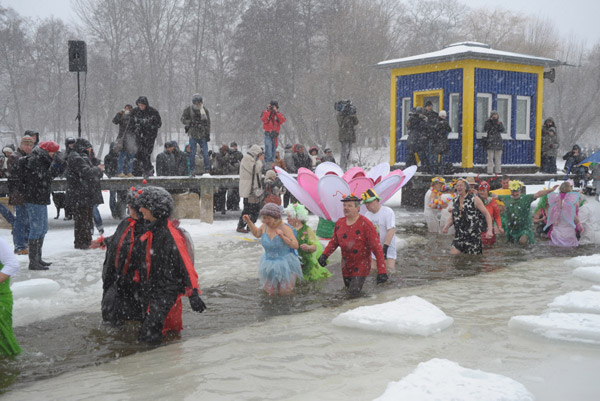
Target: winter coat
[[328, 159], [120, 298], [163, 270], [15, 181], [171, 163], [416, 127], [279, 162], [197, 125], [126, 140], [494, 129], [83, 178], [235, 157], [573, 160], [111, 161], [272, 120], [199, 163], [288, 158], [146, 124], [550, 141], [37, 172], [346, 123], [302, 159], [223, 164], [249, 162], [439, 137], [431, 119]]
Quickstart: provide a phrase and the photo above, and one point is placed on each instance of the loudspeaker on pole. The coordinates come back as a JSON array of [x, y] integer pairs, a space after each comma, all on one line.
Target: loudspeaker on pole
[[77, 56]]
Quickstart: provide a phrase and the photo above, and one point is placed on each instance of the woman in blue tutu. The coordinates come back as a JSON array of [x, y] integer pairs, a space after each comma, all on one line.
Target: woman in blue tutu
[[279, 268]]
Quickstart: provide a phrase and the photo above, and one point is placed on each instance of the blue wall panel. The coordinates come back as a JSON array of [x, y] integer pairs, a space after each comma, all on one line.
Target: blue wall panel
[[515, 84], [448, 80]]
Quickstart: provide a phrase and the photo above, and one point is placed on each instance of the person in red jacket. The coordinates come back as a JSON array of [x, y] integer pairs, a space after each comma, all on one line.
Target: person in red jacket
[[493, 209], [358, 238], [272, 119]]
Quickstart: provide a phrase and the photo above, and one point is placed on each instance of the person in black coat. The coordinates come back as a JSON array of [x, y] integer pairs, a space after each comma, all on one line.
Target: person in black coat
[[171, 162], [83, 190], [301, 158], [146, 122], [573, 159], [493, 143], [37, 170], [233, 194], [121, 298], [167, 269], [415, 143], [117, 199], [439, 143]]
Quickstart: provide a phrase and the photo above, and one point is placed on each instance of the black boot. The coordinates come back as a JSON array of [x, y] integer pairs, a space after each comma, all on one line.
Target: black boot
[[43, 263], [34, 255]]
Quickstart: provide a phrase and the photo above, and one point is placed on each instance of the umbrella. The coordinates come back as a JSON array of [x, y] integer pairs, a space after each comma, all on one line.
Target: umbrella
[[595, 158]]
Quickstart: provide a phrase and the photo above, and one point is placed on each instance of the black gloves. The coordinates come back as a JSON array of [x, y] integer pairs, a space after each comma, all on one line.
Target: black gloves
[[385, 249], [322, 260], [196, 302], [382, 278]]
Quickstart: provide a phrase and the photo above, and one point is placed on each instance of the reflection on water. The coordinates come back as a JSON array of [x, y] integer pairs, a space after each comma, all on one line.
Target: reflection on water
[[78, 340]]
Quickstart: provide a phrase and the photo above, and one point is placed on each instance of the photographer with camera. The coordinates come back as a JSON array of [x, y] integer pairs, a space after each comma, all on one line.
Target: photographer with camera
[[196, 120], [493, 143], [346, 119], [146, 122], [272, 119]]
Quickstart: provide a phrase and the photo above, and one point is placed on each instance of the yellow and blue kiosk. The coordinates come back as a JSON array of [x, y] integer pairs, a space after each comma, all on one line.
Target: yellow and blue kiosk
[[469, 80]]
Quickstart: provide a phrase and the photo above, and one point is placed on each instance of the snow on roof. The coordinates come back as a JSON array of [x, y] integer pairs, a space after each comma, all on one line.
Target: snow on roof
[[468, 50]]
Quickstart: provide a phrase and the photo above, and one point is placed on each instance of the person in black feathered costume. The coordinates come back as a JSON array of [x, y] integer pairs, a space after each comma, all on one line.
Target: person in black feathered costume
[[167, 268], [121, 299]]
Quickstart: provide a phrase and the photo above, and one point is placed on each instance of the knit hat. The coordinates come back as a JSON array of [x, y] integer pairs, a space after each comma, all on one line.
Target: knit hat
[[158, 201], [7, 149], [27, 139], [442, 113], [274, 103], [297, 211], [272, 210], [428, 103], [196, 98], [270, 175], [49, 146], [232, 144], [369, 196], [327, 150]]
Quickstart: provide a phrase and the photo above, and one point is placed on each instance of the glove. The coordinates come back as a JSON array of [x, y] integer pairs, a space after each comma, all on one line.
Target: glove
[[322, 260], [196, 302], [382, 278], [385, 249]]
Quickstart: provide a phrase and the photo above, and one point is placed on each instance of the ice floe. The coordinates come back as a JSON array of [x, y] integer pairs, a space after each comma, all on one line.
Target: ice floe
[[591, 273], [577, 301], [408, 315], [441, 379], [576, 327]]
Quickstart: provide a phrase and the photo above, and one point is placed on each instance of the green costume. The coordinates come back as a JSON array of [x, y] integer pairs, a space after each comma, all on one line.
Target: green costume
[[310, 266], [517, 217], [8, 342]]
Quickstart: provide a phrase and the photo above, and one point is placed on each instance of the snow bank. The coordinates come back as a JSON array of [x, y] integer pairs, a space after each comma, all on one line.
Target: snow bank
[[408, 315], [577, 301], [591, 273], [579, 261], [34, 288], [576, 327], [441, 379]]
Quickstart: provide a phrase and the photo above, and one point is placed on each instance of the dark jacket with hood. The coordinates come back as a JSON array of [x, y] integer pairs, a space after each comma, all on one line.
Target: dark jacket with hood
[[15, 181], [83, 178], [550, 141], [573, 160], [197, 122], [171, 163], [37, 172], [146, 123], [111, 161], [494, 129]]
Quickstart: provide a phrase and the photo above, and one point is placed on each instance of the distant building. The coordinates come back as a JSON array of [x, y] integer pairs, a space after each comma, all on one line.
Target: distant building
[[469, 80]]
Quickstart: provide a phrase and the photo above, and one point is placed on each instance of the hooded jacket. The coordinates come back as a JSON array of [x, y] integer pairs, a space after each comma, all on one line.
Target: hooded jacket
[[346, 123], [146, 123], [550, 141], [83, 178], [249, 161], [197, 123], [37, 173]]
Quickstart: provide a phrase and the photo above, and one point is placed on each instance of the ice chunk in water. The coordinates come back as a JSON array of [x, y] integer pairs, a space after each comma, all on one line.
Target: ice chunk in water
[[34, 288], [589, 260], [576, 327], [591, 273], [441, 379], [407, 315], [577, 301]]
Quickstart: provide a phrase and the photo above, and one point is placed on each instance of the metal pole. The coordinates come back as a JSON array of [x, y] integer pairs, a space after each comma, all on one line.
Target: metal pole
[[78, 106]]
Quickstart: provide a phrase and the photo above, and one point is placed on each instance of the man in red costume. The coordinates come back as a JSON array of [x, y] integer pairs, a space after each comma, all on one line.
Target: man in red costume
[[358, 238]]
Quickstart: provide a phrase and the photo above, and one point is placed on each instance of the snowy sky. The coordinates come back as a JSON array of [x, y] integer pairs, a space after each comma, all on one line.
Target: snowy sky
[[579, 17]]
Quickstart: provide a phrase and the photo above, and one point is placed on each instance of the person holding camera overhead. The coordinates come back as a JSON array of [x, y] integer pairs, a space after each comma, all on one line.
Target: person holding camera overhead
[[493, 143], [272, 119], [346, 119]]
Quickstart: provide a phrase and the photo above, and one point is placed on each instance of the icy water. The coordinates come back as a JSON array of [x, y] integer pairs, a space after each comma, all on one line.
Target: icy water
[[248, 346]]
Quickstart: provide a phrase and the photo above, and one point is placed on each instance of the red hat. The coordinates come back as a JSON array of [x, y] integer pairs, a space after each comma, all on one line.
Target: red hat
[[483, 185], [49, 146]]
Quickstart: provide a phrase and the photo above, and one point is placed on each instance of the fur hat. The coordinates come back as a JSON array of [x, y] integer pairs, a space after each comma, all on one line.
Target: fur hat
[[272, 210], [158, 201]]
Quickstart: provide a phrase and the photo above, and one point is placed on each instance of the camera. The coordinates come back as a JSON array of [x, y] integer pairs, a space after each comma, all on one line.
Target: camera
[[345, 107]]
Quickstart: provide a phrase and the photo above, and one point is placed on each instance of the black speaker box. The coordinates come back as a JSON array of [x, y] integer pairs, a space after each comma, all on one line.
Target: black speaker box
[[77, 56]]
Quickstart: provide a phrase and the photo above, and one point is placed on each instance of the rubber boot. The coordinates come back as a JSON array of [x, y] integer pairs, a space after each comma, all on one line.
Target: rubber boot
[[43, 263], [34, 255]]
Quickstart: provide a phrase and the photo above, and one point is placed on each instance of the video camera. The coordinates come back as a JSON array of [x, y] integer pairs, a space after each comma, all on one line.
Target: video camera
[[345, 107]]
